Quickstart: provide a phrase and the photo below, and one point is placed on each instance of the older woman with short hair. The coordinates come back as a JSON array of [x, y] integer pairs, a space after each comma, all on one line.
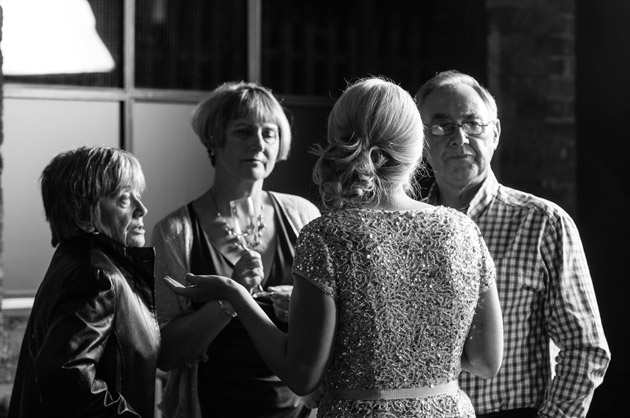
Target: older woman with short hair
[[214, 369], [91, 344]]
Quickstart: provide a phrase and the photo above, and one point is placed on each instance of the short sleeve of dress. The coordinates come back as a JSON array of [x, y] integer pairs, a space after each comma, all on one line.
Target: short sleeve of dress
[[487, 270], [312, 259]]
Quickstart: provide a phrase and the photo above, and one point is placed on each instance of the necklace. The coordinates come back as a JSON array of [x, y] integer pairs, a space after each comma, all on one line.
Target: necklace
[[252, 234]]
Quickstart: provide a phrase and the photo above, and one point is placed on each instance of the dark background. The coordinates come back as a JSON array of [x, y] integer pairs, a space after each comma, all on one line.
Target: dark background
[[603, 107]]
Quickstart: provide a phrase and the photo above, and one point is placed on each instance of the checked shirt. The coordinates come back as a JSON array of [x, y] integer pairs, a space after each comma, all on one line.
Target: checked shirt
[[546, 295]]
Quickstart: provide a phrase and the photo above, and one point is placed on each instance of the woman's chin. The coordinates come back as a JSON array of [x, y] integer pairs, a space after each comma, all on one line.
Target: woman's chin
[[135, 240]]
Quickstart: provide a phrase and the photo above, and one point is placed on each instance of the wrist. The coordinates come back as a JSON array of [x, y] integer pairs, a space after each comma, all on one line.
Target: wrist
[[227, 309]]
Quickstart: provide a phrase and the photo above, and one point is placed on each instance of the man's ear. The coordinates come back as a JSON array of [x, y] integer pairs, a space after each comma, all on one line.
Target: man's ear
[[497, 133]]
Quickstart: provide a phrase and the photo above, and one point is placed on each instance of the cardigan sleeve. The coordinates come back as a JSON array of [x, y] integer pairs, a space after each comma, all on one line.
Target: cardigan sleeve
[[172, 239]]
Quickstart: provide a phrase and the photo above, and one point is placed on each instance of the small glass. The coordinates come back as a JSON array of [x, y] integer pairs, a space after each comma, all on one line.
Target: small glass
[[247, 221]]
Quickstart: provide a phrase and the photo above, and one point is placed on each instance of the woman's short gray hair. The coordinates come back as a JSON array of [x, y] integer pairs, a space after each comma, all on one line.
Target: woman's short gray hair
[[73, 183]]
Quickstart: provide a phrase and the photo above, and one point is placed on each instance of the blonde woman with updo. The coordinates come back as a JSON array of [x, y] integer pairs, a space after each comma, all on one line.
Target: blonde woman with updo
[[392, 297]]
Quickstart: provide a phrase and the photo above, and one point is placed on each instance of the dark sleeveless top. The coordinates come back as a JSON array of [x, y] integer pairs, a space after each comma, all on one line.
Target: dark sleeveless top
[[235, 382]]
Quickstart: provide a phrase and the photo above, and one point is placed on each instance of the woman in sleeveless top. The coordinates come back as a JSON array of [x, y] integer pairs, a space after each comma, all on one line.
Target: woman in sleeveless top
[[392, 297], [214, 368]]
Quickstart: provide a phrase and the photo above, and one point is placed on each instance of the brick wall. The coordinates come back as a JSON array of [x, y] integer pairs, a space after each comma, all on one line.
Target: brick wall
[[531, 66]]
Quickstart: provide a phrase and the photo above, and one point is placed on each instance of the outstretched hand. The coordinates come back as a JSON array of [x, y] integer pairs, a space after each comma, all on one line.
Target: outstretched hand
[[202, 287]]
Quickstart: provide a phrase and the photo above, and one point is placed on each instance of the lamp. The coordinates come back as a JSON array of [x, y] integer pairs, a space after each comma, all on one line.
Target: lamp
[[51, 37]]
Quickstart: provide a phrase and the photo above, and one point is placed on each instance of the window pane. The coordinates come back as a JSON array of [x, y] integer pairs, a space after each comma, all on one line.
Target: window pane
[[189, 171], [314, 47], [109, 26], [190, 45], [27, 148]]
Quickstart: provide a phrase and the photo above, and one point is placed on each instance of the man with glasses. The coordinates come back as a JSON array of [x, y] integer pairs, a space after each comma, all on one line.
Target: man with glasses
[[547, 296]]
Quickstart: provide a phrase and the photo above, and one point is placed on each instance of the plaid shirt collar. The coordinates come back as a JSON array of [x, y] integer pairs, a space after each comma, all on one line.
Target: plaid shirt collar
[[479, 203]]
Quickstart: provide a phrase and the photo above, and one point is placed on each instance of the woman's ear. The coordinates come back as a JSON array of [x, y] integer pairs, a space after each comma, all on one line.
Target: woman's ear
[[87, 221], [85, 226]]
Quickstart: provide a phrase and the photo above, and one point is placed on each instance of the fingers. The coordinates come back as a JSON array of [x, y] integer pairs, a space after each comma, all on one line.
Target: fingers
[[281, 313], [248, 255], [204, 281], [249, 270], [200, 287], [256, 272], [252, 281], [280, 304], [283, 288], [279, 297], [248, 262], [179, 289], [195, 280], [172, 283], [191, 279]]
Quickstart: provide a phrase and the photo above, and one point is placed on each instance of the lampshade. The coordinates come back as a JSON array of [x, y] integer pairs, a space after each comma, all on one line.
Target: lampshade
[[51, 37]]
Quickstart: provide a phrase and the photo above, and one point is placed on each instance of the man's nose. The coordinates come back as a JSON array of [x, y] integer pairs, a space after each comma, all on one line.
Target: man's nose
[[459, 137]]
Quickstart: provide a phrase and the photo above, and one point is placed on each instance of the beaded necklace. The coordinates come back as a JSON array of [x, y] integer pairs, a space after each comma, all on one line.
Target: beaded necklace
[[255, 232]]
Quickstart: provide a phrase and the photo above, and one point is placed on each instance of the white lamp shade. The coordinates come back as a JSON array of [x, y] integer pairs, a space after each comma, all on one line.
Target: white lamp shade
[[51, 37]]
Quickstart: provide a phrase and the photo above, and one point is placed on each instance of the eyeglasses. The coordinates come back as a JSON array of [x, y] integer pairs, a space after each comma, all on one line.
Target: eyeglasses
[[447, 128]]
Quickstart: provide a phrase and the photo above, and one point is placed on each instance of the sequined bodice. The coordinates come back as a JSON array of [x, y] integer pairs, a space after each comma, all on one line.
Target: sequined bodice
[[405, 284]]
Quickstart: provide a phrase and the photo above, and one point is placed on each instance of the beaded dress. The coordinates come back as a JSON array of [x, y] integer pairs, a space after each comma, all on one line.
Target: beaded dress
[[405, 285]]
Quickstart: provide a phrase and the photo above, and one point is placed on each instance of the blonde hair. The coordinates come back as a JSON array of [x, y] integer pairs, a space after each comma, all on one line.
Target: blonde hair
[[374, 144], [239, 99]]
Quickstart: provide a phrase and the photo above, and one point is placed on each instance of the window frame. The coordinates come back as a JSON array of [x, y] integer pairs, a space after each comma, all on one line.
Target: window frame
[[128, 94]]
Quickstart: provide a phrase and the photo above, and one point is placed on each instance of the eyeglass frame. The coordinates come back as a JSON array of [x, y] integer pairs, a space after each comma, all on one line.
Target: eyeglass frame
[[462, 125]]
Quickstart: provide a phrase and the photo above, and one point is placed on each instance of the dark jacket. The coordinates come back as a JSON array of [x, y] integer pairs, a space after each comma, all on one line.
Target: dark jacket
[[91, 344]]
